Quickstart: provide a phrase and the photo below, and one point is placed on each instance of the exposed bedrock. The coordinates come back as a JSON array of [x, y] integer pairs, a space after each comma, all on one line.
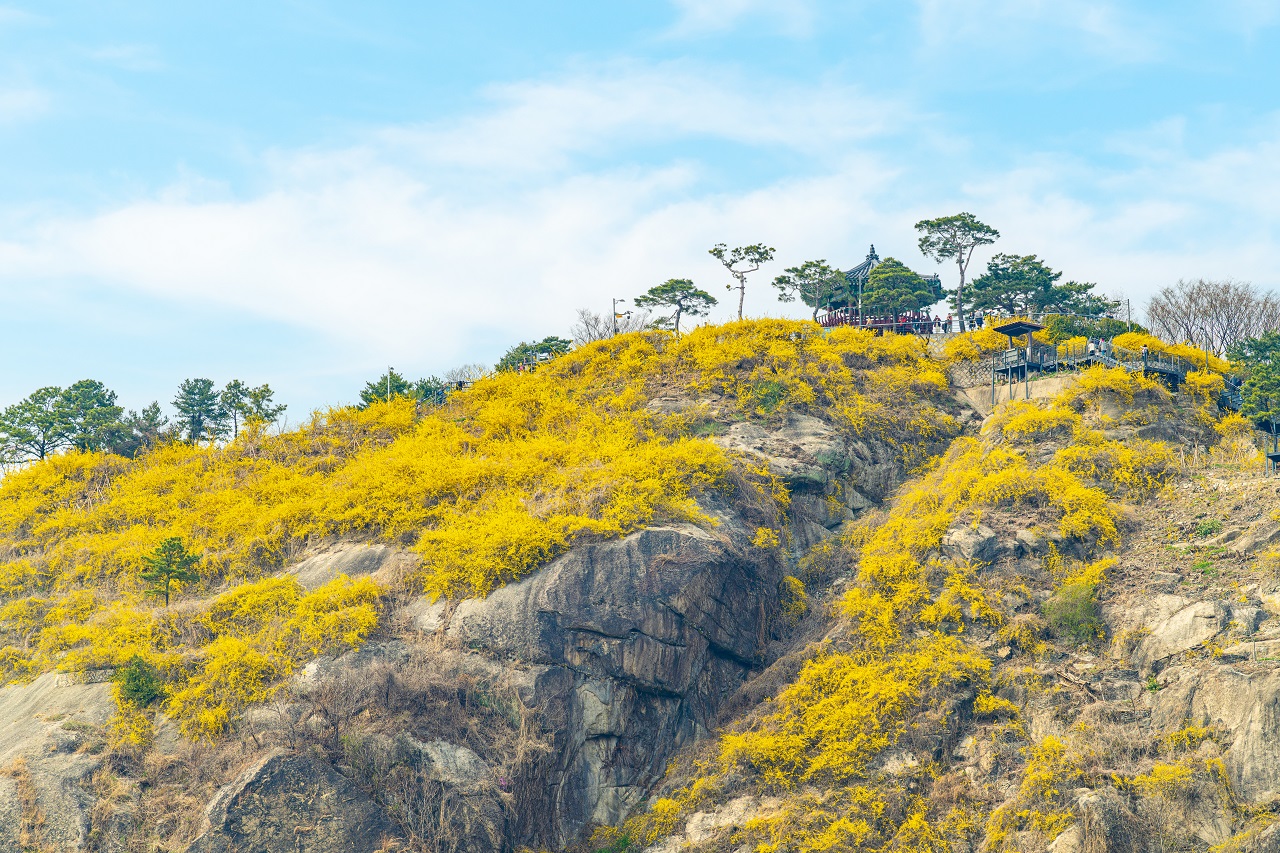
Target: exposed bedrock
[[294, 802], [642, 639]]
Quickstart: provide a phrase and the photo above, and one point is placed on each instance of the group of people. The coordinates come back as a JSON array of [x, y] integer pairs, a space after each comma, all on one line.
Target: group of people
[[910, 323]]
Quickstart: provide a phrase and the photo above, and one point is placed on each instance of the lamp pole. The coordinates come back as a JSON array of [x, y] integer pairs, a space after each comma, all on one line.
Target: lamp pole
[[389, 369], [614, 312]]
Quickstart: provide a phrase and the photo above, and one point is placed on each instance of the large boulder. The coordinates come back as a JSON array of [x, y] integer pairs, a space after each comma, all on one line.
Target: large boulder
[[1266, 841], [295, 803], [1258, 536], [639, 641], [1108, 825], [50, 746], [348, 558], [1172, 633], [811, 456], [1244, 706], [978, 544], [804, 451]]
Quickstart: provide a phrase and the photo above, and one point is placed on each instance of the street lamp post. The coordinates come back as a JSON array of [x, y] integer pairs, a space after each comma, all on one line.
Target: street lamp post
[[614, 312]]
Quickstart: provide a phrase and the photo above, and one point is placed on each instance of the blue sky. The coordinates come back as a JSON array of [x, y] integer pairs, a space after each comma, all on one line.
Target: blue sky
[[302, 193]]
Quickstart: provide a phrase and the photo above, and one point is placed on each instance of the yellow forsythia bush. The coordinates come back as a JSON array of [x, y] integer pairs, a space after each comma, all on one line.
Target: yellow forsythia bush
[[484, 489], [1134, 341], [816, 744]]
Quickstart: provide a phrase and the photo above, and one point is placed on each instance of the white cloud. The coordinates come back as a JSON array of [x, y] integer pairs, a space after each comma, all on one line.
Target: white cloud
[[130, 57], [985, 30], [700, 17], [22, 103], [541, 126], [426, 240]]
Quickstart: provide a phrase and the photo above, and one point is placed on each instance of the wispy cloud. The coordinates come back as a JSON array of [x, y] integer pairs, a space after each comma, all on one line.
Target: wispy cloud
[[984, 29], [795, 18], [543, 126], [22, 103], [130, 57], [423, 242]]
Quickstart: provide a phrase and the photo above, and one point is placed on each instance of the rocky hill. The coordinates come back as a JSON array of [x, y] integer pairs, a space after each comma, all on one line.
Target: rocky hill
[[755, 589]]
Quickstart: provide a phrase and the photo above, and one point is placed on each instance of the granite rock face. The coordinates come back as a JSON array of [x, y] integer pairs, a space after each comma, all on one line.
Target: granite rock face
[[297, 803], [1246, 706], [639, 641], [47, 750]]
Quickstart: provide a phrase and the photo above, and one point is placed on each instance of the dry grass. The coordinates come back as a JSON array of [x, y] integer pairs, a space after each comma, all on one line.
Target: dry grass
[[32, 821]]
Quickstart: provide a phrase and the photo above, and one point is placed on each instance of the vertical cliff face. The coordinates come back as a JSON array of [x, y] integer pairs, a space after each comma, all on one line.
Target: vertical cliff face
[[1123, 690], [639, 641], [556, 702]]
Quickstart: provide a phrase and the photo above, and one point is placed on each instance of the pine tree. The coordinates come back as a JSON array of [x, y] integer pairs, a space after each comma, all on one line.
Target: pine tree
[[259, 405], [233, 400], [169, 562], [200, 411], [894, 288], [680, 294]]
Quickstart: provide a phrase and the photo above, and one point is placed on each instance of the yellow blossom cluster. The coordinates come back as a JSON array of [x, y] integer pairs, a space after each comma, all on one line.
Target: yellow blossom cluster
[[484, 490], [904, 647]]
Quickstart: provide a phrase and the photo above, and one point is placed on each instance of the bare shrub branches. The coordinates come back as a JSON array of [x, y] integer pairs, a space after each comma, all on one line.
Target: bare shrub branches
[[1225, 312], [591, 326]]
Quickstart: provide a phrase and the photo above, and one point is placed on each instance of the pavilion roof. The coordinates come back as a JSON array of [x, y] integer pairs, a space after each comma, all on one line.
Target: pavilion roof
[[1018, 327]]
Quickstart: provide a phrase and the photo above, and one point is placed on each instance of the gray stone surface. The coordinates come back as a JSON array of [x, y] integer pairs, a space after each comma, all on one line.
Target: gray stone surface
[[979, 544], [1266, 841], [642, 639], [293, 803], [1070, 840], [1257, 537], [345, 558], [1184, 629], [50, 724], [1245, 706], [810, 455], [1108, 824]]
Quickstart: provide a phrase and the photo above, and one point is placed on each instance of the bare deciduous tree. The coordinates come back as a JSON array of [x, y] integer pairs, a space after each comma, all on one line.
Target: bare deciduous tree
[[467, 373], [1223, 313], [596, 327]]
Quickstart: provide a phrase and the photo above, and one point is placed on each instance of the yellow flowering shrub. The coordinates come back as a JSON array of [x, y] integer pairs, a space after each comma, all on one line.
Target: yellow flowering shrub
[[231, 674], [1070, 345], [1098, 383], [1134, 341], [130, 727], [339, 614], [485, 489], [793, 599], [816, 743], [1025, 419], [1043, 802], [1134, 464], [978, 343], [843, 710]]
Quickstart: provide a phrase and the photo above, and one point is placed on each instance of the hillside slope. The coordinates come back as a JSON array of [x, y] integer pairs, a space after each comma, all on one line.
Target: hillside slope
[[757, 589], [449, 696], [1058, 638]]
